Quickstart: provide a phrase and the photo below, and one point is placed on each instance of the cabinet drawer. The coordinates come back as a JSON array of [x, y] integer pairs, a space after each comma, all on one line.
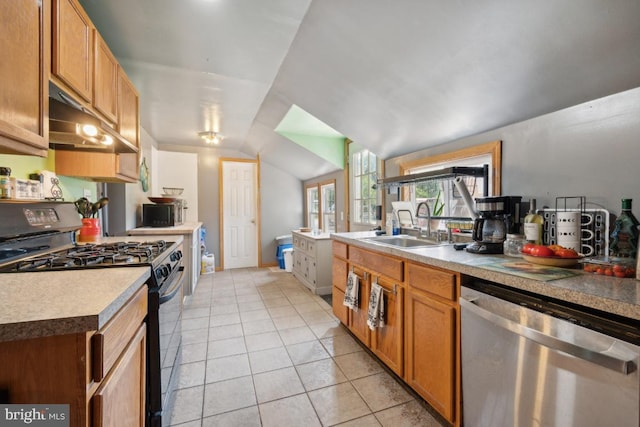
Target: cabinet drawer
[[339, 249], [437, 282], [383, 264], [311, 246], [109, 342]]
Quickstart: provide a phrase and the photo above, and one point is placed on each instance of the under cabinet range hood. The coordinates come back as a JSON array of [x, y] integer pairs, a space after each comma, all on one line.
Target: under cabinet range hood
[[74, 127]]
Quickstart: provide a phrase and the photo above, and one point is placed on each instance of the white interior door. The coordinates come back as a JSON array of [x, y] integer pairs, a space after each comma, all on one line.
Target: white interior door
[[239, 207]]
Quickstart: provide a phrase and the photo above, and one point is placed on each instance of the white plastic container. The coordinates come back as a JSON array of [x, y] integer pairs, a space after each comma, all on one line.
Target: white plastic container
[[208, 264], [288, 259]]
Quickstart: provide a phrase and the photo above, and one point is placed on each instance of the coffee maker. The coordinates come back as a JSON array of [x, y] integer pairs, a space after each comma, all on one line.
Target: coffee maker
[[498, 216]]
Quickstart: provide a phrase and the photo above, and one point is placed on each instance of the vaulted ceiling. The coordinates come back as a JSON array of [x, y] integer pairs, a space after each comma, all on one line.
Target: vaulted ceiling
[[395, 76]]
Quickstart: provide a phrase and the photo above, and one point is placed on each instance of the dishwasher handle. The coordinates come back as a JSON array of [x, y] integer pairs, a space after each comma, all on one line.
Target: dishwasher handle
[[624, 366]]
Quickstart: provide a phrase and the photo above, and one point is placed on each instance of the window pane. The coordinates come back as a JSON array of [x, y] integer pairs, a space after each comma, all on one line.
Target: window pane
[[356, 164], [357, 193]]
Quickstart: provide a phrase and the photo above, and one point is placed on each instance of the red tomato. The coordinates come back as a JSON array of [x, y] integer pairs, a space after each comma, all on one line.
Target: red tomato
[[619, 268], [566, 253], [540, 250], [526, 249]]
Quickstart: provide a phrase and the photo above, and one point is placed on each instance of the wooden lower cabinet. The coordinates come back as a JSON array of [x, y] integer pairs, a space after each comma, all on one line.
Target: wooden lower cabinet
[[388, 342], [430, 345], [66, 369], [432, 337], [358, 319], [420, 339], [120, 400]]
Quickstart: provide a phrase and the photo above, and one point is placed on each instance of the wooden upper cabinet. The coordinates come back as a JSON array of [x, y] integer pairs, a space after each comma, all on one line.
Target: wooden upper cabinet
[[24, 106], [101, 167], [128, 110], [105, 80], [72, 53]]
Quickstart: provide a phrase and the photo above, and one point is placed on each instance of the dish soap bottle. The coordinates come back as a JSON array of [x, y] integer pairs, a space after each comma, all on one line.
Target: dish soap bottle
[[624, 238], [533, 225]]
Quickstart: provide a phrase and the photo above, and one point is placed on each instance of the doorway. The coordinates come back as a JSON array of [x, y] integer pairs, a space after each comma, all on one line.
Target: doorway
[[239, 213]]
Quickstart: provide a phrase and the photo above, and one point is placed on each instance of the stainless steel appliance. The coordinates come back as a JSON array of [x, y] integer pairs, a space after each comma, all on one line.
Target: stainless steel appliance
[[163, 214], [529, 360], [40, 236], [499, 216]]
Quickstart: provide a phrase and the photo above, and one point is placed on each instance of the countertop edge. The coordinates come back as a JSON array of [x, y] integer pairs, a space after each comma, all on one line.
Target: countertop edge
[[186, 228], [563, 289]]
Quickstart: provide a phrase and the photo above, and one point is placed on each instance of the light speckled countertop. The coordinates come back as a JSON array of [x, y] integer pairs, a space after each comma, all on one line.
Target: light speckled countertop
[[63, 302], [610, 294], [37, 304], [186, 228]]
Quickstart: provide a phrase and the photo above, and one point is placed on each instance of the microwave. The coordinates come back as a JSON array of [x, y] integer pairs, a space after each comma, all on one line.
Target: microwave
[[161, 214]]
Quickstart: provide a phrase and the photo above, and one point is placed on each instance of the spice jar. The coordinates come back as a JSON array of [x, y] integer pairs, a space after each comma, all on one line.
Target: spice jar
[[5, 183], [513, 245]]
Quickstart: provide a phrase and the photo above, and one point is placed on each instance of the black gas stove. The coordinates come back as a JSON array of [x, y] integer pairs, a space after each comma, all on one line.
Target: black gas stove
[[118, 254], [40, 237]]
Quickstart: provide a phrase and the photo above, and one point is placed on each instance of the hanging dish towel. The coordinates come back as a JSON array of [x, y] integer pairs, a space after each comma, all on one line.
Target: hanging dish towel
[[352, 293], [375, 316]]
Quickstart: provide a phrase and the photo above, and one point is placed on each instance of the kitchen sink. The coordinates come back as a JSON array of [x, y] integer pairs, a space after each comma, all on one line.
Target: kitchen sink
[[403, 241]]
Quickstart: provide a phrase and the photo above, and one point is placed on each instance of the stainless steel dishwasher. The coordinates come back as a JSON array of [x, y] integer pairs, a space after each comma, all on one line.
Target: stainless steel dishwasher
[[529, 360]]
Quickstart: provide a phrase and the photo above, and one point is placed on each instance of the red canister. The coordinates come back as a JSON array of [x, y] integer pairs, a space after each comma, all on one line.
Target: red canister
[[90, 230]]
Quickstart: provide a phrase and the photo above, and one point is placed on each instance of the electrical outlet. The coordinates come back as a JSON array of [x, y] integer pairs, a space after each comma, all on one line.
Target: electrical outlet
[[86, 193]]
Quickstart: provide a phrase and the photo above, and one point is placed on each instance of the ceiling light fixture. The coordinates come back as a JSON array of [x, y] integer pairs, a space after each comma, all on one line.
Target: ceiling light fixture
[[210, 137]]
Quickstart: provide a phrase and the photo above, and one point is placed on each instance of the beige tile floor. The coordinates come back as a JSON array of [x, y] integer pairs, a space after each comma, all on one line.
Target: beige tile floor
[[259, 349]]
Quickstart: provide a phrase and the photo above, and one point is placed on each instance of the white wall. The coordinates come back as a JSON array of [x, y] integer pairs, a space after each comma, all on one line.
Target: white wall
[[591, 150], [178, 170], [125, 200]]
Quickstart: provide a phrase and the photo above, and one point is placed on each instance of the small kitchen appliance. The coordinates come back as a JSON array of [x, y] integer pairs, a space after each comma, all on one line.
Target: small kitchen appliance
[[498, 216], [163, 214], [40, 237]]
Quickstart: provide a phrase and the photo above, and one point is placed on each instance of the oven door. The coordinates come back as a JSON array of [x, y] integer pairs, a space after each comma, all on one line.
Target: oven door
[[164, 347]]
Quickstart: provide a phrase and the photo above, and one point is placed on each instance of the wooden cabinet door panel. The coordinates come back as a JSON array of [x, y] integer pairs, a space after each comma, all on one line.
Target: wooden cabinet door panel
[[339, 274], [339, 309], [431, 351], [120, 400], [72, 59], [127, 165], [24, 43], [387, 342], [128, 110], [105, 80], [358, 319]]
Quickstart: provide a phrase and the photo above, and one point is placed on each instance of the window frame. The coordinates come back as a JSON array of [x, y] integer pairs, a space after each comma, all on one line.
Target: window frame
[[372, 176], [320, 213], [493, 148]]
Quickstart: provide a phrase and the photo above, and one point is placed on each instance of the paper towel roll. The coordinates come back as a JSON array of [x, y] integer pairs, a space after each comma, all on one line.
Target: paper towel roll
[[466, 197]]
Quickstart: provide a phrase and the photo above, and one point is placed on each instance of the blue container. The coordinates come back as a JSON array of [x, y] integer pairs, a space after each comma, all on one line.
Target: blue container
[[280, 253]]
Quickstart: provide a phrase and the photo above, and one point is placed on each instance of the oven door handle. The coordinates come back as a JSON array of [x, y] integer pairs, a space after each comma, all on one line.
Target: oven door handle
[[167, 296], [622, 363]]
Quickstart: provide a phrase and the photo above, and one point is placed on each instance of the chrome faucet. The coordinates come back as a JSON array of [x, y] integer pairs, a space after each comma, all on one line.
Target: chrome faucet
[[420, 215]]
